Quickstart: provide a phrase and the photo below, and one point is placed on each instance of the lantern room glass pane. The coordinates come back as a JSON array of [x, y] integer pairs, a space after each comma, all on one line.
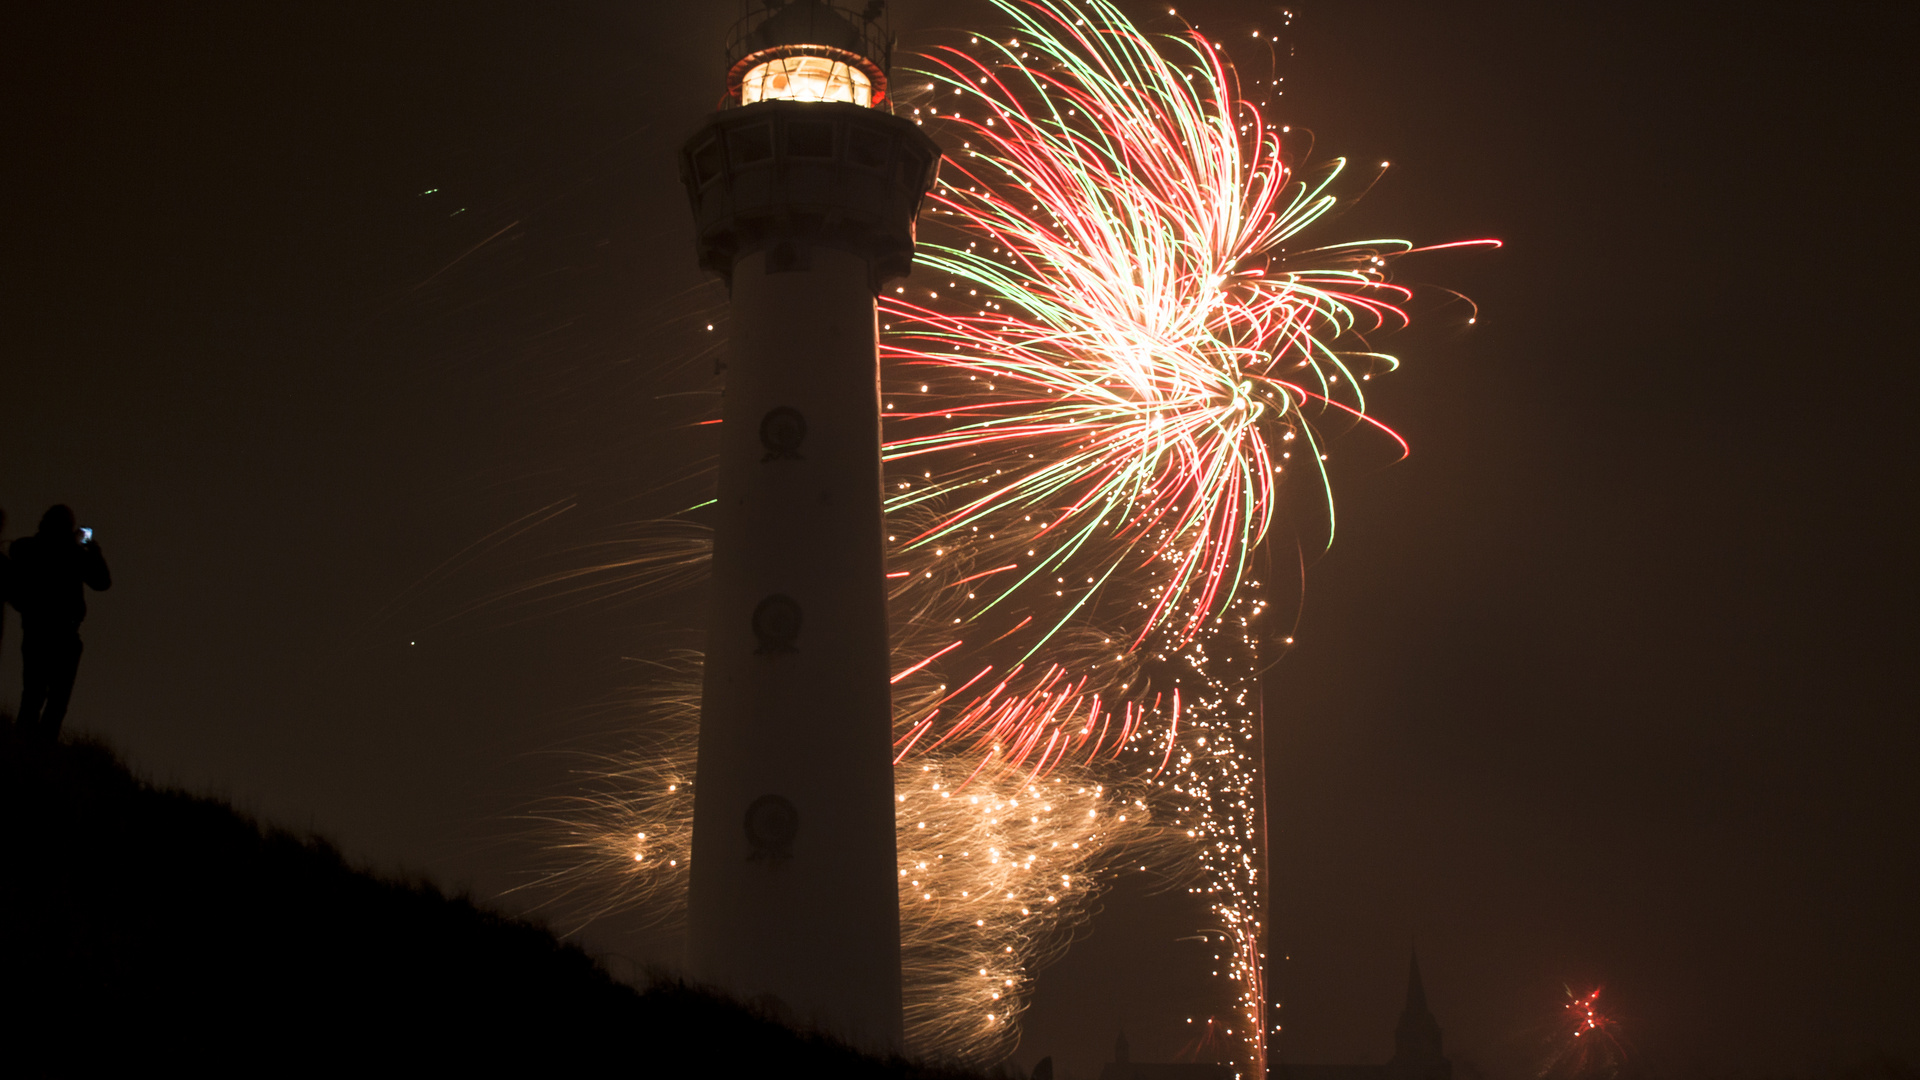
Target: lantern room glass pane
[[806, 78]]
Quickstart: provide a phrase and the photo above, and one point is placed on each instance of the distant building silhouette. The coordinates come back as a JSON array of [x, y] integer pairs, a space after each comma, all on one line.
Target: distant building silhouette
[[1416, 1046]]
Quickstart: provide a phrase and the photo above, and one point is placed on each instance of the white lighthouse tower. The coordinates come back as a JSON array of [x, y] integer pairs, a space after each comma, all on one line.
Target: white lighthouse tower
[[804, 193]]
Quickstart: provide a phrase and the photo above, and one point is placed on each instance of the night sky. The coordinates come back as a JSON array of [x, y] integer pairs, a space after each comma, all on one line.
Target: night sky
[[1608, 684]]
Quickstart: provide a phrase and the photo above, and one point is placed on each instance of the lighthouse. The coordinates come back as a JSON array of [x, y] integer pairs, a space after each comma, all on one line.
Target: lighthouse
[[805, 188]]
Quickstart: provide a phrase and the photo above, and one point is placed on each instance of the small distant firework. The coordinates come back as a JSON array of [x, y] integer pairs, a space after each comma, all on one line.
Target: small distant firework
[[1586, 1045]]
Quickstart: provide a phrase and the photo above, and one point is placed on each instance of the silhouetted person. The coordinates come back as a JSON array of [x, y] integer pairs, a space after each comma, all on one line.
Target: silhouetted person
[[51, 571]]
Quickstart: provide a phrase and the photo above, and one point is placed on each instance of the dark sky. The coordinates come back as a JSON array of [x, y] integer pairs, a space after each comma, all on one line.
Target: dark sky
[[1607, 685]]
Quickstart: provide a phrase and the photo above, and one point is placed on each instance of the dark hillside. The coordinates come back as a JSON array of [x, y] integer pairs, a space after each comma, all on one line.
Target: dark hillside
[[148, 927]]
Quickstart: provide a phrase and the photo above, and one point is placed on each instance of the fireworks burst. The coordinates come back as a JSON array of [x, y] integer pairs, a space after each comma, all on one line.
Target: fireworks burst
[[994, 873], [1116, 362], [1587, 1045], [1135, 342]]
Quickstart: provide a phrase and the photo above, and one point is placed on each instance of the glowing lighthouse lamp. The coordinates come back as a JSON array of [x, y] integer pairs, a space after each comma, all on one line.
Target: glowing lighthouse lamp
[[804, 195], [807, 78]]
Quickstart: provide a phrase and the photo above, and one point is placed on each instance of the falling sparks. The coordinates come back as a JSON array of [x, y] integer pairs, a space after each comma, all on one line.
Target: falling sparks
[[989, 888]]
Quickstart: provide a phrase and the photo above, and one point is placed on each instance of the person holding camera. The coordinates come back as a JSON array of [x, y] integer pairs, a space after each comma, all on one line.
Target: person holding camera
[[52, 570]]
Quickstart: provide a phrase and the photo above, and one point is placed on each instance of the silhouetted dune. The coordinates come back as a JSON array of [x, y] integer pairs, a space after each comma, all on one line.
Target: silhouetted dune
[[148, 927]]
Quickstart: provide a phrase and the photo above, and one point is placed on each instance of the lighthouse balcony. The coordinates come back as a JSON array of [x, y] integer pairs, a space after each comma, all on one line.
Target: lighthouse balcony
[[806, 174]]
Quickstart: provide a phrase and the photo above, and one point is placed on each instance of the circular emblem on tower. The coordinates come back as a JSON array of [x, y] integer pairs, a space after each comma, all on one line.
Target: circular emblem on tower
[[782, 431], [772, 823], [776, 623]]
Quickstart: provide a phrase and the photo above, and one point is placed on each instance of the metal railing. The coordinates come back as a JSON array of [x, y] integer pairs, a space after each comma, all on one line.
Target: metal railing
[[864, 31]]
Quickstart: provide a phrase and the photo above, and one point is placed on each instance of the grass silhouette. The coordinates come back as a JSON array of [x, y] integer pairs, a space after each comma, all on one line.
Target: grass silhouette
[[142, 926]]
